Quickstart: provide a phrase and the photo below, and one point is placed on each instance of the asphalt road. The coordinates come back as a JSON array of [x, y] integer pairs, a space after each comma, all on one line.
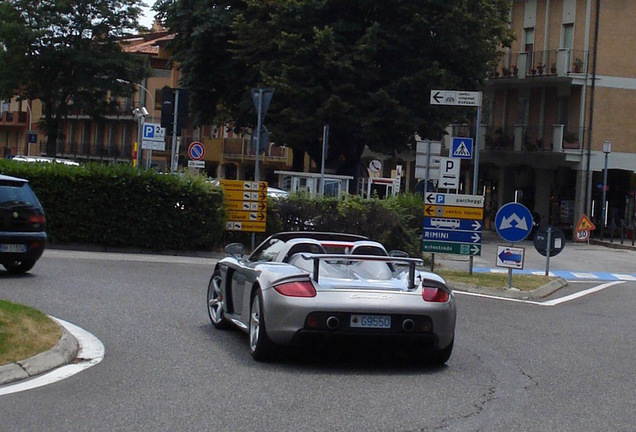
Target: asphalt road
[[516, 366]]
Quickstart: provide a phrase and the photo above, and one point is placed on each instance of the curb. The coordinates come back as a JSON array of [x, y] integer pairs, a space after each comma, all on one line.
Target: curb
[[61, 354], [513, 293]]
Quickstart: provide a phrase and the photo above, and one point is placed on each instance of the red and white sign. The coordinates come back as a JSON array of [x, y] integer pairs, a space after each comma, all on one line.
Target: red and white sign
[[375, 166], [196, 151]]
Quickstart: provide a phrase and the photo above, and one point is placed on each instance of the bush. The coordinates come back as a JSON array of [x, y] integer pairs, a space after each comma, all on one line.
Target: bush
[[118, 205]]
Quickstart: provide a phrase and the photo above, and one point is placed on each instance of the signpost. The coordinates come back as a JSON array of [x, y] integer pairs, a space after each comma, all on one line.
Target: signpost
[[513, 223], [246, 205], [453, 223], [154, 137], [549, 242], [582, 231], [462, 148]]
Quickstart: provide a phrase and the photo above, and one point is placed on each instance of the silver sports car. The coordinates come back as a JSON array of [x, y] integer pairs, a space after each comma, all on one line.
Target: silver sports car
[[297, 286]]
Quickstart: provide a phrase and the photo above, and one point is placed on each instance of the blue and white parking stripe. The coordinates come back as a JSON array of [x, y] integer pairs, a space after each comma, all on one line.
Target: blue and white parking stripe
[[567, 275]]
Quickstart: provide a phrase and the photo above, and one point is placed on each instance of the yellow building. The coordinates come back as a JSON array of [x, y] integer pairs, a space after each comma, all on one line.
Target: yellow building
[[566, 86]]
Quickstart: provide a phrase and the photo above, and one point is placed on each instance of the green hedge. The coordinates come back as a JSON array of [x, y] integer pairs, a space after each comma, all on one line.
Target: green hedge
[[120, 206]]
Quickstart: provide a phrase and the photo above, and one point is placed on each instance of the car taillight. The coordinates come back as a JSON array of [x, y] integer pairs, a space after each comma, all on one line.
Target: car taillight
[[435, 295], [36, 219], [296, 289]]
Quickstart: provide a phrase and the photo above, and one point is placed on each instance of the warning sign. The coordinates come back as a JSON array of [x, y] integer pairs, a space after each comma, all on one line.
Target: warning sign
[[582, 232]]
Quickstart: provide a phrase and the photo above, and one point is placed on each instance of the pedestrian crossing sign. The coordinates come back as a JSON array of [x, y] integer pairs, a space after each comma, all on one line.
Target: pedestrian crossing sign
[[462, 148]]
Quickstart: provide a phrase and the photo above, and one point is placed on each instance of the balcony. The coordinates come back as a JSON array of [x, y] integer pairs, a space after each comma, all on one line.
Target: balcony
[[561, 63], [525, 138], [14, 118], [237, 148]]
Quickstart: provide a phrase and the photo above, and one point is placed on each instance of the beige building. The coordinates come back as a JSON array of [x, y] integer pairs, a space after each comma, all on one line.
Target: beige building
[[550, 106]]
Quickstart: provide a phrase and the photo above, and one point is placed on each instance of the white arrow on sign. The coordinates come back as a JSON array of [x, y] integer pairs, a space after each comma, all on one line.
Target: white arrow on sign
[[476, 238], [476, 225], [519, 223]]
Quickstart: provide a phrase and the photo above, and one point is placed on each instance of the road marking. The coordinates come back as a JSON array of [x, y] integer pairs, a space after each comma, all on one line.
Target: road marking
[[91, 352], [554, 302]]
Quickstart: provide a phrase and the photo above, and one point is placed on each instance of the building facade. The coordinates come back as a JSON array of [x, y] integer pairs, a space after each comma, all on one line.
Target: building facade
[[565, 87]]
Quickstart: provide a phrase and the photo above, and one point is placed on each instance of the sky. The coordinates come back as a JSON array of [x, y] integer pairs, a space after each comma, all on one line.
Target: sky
[[148, 15]]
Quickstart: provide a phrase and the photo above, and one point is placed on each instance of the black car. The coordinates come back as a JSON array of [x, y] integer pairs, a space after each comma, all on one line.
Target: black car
[[22, 225]]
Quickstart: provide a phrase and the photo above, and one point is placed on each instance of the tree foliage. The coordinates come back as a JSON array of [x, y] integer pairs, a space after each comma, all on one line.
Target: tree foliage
[[365, 67], [67, 52]]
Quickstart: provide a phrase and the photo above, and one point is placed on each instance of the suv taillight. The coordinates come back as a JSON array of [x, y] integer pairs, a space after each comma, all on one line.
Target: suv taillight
[[435, 295], [296, 289]]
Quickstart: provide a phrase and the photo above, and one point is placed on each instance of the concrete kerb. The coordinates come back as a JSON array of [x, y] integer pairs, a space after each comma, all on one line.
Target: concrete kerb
[[63, 353], [513, 293]]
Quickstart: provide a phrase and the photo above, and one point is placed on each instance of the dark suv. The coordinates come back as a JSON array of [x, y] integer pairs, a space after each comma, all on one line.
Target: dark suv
[[22, 225]]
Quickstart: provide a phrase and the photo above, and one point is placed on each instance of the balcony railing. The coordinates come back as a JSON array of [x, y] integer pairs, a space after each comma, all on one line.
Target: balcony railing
[[561, 62], [13, 118], [524, 138], [242, 148]]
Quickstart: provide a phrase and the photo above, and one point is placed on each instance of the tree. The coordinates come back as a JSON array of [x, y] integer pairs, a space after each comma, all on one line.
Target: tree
[[67, 53], [365, 67]]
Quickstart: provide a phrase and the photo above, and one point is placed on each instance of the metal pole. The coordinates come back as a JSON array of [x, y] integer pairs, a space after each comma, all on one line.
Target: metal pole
[[476, 151], [173, 165], [604, 211], [259, 124], [28, 105], [140, 128], [547, 253], [325, 139]]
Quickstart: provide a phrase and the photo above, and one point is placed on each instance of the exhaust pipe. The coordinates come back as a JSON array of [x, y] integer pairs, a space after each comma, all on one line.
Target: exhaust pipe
[[408, 325], [333, 323]]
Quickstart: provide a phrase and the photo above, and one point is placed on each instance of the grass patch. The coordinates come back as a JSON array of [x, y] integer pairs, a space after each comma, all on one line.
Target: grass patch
[[495, 280], [24, 332]]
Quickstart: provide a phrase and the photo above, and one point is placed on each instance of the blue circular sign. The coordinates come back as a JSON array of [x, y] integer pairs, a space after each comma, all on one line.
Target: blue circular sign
[[513, 222], [196, 151]]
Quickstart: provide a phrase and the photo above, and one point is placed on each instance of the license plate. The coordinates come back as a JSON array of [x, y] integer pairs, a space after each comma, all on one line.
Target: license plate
[[370, 321], [13, 248]]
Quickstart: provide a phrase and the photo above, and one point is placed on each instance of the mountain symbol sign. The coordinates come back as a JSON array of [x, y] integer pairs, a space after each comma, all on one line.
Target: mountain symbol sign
[[462, 148]]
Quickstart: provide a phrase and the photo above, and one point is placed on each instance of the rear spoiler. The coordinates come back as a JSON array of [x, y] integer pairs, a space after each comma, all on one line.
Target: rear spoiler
[[412, 262]]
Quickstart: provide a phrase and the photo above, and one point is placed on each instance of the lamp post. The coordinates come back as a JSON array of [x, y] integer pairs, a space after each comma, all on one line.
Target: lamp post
[[141, 112], [607, 149]]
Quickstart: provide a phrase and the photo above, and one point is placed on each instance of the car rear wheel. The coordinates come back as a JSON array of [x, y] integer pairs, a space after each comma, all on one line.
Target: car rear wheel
[[215, 302], [261, 346], [18, 267]]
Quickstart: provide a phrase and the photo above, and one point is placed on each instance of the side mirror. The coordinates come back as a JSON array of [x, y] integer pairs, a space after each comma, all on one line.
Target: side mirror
[[235, 249]]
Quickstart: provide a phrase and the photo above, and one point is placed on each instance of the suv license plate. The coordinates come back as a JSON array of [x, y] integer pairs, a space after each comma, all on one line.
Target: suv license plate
[[370, 321], [13, 248]]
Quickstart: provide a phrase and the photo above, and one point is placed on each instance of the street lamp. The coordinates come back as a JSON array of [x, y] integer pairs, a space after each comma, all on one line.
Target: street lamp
[[607, 149]]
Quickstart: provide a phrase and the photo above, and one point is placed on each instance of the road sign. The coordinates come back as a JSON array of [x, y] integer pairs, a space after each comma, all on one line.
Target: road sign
[[462, 148], [453, 212], [243, 185], [153, 132], [245, 226], [455, 97], [510, 257], [428, 155], [449, 173], [453, 224], [196, 164], [513, 222], [453, 236], [557, 241], [246, 205], [451, 248], [196, 151], [454, 199]]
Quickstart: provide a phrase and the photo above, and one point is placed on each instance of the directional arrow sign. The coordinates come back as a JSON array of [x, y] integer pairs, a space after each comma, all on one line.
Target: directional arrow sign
[[452, 236], [452, 224], [455, 97], [454, 212], [510, 257], [451, 248], [454, 199], [513, 222]]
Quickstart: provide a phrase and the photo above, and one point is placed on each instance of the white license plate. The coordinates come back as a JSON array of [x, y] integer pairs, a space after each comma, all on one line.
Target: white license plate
[[13, 248], [370, 321]]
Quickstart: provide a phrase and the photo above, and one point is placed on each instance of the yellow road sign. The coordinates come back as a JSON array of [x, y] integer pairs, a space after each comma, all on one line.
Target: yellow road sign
[[246, 205], [245, 226], [243, 185], [253, 216], [244, 195], [454, 212]]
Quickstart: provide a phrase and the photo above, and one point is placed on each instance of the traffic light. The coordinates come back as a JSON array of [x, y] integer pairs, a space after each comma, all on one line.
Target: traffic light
[[168, 96]]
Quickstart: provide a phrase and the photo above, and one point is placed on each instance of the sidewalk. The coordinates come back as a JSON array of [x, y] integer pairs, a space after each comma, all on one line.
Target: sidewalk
[[575, 258]]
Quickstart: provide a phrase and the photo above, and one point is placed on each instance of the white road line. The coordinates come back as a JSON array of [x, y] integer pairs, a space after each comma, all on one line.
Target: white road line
[[549, 302], [625, 277], [580, 294], [91, 352], [585, 275]]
